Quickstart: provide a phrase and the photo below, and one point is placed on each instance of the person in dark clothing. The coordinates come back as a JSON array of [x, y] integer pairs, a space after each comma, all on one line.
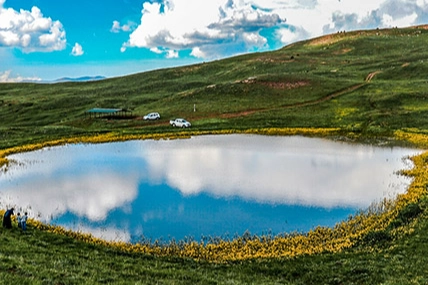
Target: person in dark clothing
[[7, 219]]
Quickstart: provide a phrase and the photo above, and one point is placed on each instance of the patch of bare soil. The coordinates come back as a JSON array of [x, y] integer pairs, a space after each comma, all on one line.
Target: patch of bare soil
[[333, 38], [423, 27], [284, 59], [322, 40], [274, 85], [285, 85], [238, 114], [342, 51]]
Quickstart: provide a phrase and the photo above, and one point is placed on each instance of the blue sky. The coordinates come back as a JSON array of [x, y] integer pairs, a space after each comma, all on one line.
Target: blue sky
[[47, 40]]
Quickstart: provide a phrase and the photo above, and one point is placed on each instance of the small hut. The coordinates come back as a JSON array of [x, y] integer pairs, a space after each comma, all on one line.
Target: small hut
[[107, 112]]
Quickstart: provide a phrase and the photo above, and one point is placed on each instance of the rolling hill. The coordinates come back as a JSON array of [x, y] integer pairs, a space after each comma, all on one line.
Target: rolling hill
[[367, 84]]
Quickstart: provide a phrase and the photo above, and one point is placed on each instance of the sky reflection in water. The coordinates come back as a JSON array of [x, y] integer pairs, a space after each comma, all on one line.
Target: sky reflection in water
[[203, 186]]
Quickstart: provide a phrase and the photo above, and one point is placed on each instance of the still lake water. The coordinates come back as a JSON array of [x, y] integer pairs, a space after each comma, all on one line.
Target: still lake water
[[216, 186]]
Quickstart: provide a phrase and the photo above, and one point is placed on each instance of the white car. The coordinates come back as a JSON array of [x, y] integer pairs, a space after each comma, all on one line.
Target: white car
[[152, 116], [180, 123]]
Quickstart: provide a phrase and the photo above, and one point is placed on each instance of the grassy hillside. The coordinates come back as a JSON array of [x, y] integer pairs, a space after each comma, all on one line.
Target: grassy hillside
[[367, 84]]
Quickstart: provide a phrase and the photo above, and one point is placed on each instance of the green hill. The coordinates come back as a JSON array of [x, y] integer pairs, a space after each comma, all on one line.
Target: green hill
[[367, 84]]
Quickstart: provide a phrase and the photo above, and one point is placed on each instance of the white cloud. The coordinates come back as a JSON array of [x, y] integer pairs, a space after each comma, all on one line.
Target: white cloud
[[172, 54], [77, 50], [390, 21], [216, 28], [197, 52], [169, 53], [156, 50], [117, 27], [287, 36], [30, 30], [202, 26], [379, 14], [312, 18], [6, 77]]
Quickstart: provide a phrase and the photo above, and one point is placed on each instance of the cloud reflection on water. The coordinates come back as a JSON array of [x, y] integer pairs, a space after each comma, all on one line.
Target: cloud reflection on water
[[91, 196], [54, 181], [92, 181], [294, 170]]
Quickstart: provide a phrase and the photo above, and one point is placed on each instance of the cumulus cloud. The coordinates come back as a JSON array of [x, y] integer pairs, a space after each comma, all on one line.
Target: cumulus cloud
[[6, 77], [216, 28], [30, 30], [118, 27], [77, 50], [168, 52], [310, 18], [206, 28], [380, 14]]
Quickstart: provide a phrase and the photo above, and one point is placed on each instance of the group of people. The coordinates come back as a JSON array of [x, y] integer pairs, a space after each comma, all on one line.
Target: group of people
[[22, 220]]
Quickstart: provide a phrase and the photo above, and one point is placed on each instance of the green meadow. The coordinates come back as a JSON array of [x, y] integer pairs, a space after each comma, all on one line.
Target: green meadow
[[368, 86]]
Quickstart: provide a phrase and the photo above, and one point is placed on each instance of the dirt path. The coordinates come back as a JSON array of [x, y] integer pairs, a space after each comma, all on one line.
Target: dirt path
[[371, 75], [296, 105], [326, 98]]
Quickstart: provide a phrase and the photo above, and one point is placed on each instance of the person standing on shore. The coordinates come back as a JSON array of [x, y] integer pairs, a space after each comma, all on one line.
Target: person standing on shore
[[24, 222], [19, 219], [7, 218]]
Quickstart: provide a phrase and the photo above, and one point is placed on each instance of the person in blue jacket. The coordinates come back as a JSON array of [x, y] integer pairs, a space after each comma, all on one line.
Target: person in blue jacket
[[7, 219], [24, 222]]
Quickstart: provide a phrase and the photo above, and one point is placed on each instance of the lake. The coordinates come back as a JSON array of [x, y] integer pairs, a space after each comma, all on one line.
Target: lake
[[205, 186]]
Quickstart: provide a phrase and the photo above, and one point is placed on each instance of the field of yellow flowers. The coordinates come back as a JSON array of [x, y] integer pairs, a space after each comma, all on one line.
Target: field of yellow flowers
[[343, 235]]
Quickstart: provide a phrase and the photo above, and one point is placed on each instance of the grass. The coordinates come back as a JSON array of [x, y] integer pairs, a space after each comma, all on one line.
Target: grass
[[368, 86], [39, 257], [278, 87]]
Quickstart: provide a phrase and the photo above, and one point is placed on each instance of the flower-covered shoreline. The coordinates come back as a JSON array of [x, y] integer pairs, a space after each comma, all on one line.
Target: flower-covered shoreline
[[343, 235]]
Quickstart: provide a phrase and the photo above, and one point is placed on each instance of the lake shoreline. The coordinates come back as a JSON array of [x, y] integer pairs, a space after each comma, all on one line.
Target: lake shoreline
[[332, 242]]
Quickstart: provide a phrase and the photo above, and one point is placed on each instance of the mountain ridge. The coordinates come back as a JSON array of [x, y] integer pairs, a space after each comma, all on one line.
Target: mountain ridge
[[79, 79]]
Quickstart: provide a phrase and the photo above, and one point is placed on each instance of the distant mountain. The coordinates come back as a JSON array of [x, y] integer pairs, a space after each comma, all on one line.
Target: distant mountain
[[80, 79]]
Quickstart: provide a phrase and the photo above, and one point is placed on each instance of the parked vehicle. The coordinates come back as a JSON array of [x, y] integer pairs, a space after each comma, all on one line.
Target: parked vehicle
[[180, 123], [152, 116]]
